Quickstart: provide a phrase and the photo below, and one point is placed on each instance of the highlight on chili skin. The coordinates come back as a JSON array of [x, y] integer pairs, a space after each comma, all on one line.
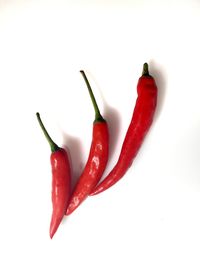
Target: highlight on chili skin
[[97, 158], [140, 124], [61, 180]]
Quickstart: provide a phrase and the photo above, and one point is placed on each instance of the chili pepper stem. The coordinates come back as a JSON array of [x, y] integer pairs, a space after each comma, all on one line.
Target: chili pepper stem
[[145, 71], [53, 145], [98, 116]]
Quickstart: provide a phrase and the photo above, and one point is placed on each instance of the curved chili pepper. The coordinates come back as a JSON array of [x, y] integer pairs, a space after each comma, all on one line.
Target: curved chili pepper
[[61, 179], [140, 123], [97, 159]]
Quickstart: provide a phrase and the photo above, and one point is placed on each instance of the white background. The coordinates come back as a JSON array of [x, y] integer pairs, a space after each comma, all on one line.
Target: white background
[[152, 216]]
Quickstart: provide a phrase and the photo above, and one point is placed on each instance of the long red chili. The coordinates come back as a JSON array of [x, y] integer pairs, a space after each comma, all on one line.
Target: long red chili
[[61, 179], [97, 158], [140, 123]]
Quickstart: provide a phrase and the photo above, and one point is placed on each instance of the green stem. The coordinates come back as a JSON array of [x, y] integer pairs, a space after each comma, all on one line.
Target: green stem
[[145, 71], [98, 117], [53, 146]]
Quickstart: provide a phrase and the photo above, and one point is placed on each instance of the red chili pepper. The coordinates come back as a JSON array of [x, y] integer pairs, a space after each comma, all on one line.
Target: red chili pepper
[[97, 159], [61, 179], [140, 123]]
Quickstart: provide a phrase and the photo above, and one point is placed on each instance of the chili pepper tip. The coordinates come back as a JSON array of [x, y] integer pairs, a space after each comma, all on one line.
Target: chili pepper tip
[[145, 71]]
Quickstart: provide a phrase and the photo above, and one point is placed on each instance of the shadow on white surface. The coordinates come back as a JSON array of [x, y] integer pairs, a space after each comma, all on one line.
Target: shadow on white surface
[[112, 117], [158, 73], [75, 151]]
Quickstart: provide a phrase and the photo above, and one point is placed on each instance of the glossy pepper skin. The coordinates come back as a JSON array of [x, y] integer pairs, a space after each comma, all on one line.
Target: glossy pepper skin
[[141, 121], [61, 181], [60, 187], [97, 159]]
